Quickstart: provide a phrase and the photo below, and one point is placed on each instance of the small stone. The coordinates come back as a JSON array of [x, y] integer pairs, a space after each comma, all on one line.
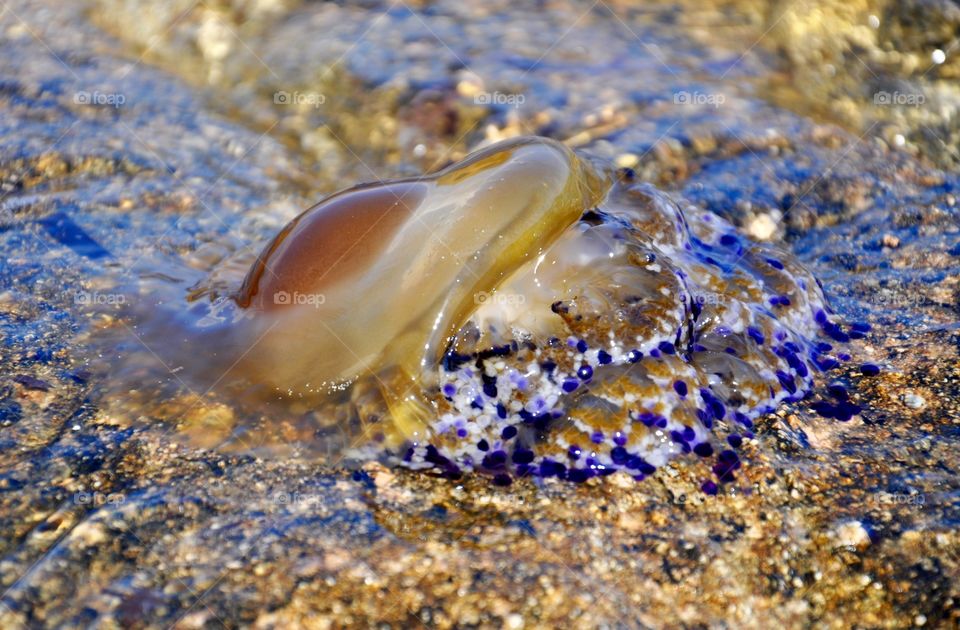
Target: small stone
[[89, 534], [914, 401], [762, 227], [469, 84], [852, 534], [32, 383], [336, 559], [308, 567], [891, 241], [383, 478]]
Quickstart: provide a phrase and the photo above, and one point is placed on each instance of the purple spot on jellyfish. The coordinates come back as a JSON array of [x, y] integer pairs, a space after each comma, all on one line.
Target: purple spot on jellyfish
[[619, 455], [838, 392], [703, 449], [869, 369]]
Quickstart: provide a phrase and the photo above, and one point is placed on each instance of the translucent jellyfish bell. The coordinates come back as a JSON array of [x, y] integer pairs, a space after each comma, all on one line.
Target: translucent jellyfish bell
[[376, 279]]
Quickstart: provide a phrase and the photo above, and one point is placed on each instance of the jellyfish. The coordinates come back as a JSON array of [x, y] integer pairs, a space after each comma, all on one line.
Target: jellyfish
[[528, 311]]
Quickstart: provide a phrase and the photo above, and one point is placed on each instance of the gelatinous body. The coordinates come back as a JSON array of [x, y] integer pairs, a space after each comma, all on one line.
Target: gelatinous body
[[527, 312]]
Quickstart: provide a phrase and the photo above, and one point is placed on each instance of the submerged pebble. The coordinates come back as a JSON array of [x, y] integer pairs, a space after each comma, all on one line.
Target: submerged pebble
[[914, 401]]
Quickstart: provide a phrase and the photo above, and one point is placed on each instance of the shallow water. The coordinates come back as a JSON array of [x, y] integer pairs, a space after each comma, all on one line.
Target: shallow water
[[108, 519]]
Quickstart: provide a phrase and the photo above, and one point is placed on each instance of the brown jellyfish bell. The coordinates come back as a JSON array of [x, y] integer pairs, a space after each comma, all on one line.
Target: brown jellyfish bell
[[369, 286]]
